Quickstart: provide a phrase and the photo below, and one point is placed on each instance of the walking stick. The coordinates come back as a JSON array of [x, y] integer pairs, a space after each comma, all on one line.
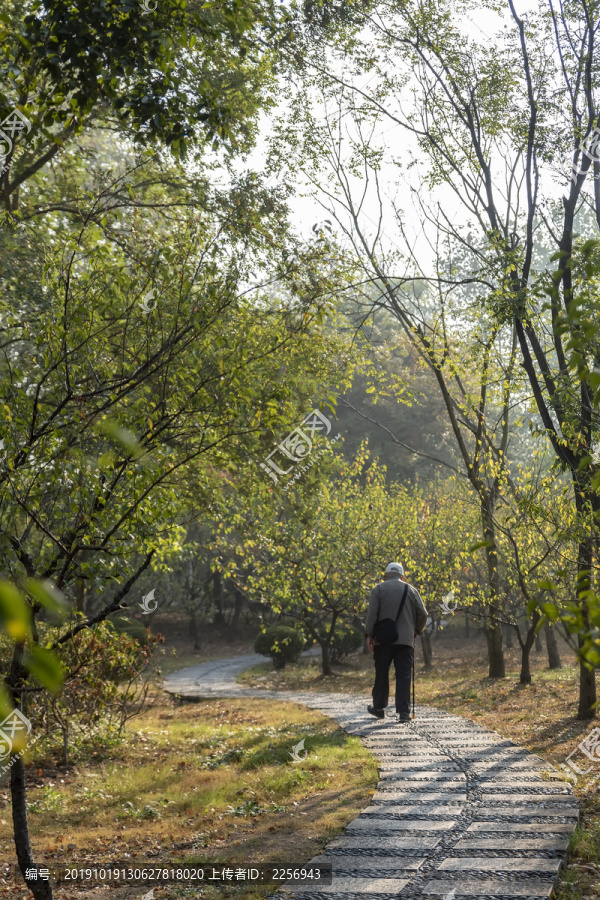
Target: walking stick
[[413, 680]]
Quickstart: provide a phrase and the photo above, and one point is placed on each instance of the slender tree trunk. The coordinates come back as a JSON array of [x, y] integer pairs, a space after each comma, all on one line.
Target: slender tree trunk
[[552, 646], [494, 628], [526, 645], [587, 676], [65, 742], [194, 629], [239, 605], [325, 659], [587, 689], [467, 627], [218, 598], [509, 638], [493, 634], [525, 676], [538, 643], [80, 603], [41, 890], [426, 644]]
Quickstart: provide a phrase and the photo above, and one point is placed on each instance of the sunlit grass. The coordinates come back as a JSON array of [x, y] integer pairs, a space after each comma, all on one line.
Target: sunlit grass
[[201, 782]]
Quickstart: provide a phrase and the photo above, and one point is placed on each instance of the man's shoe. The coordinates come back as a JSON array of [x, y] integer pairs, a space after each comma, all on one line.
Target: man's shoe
[[402, 717], [378, 713]]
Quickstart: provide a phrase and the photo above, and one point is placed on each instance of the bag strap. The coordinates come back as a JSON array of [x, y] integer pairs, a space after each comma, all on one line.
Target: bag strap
[[402, 602]]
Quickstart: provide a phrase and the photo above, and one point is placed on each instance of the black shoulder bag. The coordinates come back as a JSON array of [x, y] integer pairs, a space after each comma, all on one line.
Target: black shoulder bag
[[385, 631]]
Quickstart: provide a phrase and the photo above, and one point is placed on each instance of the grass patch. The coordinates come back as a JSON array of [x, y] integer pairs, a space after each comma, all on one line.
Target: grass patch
[[202, 782]]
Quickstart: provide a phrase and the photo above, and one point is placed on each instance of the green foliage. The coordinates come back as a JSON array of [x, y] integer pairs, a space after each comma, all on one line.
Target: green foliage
[[176, 73], [103, 688], [346, 639], [281, 643], [131, 627]]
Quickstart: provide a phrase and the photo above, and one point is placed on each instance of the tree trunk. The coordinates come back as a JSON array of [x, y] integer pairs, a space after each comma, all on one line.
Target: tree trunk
[[538, 643], [218, 598], [239, 605], [526, 645], [587, 676], [41, 890], [493, 631], [525, 676], [467, 627], [509, 638], [587, 689], [65, 742], [493, 635], [325, 660], [80, 603], [552, 646], [194, 629], [426, 644]]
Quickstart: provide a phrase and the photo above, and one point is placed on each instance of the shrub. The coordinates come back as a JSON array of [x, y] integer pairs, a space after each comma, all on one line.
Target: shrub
[[131, 627], [107, 680], [346, 639], [281, 643], [297, 626]]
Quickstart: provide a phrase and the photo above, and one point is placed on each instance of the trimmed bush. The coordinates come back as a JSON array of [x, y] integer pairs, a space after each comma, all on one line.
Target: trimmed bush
[[281, 643], [297, 625], [346, 639]]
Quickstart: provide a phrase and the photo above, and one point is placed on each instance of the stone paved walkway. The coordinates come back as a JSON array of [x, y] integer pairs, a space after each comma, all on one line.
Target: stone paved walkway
[[459, 811]]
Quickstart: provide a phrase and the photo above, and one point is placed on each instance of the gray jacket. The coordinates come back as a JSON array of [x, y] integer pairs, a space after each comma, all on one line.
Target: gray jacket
[[385, 603]]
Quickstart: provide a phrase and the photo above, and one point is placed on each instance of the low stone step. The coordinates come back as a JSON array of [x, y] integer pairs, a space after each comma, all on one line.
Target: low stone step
[[346, 862], [412, 812], [424, 775], [512, 842], [373, 824], [540, 828], [500, 864], [502, 795], [471, 887], [352, 886], [420, 795], [538, 810], [385, 842]]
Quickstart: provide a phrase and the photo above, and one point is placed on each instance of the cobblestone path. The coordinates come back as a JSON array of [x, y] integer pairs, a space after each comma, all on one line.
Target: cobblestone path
[[459, 811]]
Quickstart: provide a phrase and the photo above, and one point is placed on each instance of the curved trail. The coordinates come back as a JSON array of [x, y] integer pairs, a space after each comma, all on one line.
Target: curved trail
[[459, 812]]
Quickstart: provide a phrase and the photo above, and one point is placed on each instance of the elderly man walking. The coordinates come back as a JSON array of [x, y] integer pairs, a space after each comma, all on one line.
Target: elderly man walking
[[395, 617]]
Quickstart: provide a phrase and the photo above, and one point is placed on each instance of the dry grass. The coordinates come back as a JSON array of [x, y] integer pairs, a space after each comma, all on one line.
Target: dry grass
[[199, 782]]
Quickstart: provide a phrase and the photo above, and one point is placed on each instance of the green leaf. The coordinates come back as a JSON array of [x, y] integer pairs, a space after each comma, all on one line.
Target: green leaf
[[6, 704], [546, 584], [551, 611], [46, 594], [480, 544], [15, 614], [122, 436], [45, 666]]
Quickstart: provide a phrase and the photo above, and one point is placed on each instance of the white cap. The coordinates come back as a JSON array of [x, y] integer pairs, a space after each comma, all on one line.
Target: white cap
[[395, 567]]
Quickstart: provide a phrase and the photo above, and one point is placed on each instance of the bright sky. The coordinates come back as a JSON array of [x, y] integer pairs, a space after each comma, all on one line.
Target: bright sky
[[396, 182]]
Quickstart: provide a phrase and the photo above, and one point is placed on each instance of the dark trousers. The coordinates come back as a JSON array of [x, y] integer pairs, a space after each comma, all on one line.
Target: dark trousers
[[402, 656]]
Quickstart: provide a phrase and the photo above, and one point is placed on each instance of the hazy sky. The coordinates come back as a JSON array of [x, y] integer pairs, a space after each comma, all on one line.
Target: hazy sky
[[397, 183]]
